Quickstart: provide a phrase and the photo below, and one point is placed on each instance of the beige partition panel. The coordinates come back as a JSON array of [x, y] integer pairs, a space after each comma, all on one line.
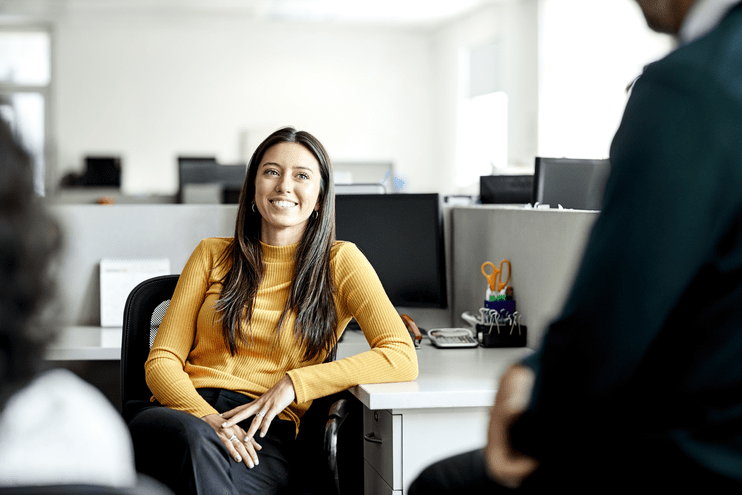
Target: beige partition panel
[[93, 232], [544, 247]]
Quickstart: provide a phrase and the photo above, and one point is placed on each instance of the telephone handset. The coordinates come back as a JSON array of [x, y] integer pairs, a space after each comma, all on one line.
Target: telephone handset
[[417, 337], [452, 337]]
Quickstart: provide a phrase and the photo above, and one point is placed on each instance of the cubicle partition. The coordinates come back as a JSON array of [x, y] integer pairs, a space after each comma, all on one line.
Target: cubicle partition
[[94, 232], [543, 246]]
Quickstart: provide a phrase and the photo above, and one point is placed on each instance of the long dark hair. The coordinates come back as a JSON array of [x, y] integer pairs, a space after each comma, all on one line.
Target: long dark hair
[[311, 296]]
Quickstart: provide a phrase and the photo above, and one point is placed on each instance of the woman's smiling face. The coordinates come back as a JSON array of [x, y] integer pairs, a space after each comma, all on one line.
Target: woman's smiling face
[[287, 188]]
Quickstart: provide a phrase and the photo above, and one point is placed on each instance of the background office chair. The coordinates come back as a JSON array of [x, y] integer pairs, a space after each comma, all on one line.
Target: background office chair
[[143, 314]]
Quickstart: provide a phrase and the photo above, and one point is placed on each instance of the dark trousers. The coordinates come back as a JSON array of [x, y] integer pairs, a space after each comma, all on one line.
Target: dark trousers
[[659, 472], [460, 474], [185, 453]]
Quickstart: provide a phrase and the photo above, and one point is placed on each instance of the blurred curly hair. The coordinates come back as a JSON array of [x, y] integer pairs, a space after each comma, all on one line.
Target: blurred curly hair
[[29, 241]]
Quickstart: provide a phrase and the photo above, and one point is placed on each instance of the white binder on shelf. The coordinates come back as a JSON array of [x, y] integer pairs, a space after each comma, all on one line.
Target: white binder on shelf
[[118, 276]]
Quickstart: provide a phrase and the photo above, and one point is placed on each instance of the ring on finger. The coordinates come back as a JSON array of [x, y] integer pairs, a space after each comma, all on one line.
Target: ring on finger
[[233, 438], [261, 414]]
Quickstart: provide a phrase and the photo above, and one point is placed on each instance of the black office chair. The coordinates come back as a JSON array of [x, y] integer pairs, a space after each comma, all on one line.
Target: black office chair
[[143, 313]]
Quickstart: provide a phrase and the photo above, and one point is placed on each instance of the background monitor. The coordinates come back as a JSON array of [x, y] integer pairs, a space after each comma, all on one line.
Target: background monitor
[[100, 171], [570, 182], [402, 237], [505, 189], [203, 180]]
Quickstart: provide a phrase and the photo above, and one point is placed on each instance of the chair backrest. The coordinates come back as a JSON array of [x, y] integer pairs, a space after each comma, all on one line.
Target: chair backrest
[[143, 312]]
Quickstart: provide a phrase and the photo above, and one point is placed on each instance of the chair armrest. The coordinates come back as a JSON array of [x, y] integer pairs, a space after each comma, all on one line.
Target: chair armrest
[[338, 412]]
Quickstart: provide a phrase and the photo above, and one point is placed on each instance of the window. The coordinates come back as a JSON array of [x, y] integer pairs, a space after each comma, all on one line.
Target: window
[[482, 115], [482, 137], [25, 80], [589, 53]]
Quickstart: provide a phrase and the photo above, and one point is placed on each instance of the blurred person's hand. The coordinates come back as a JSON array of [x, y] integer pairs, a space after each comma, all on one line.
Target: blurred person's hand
[[505, 465]]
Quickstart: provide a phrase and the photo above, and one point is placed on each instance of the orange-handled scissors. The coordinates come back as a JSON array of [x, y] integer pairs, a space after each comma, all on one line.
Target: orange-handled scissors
[[492, 278]]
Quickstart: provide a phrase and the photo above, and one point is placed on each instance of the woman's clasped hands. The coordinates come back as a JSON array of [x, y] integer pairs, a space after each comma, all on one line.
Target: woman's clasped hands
[[241, 445]]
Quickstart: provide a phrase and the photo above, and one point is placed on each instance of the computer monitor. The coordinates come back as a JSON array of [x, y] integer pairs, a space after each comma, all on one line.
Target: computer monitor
[[203, 180], [505, 189], [570, 182], [102, 171], [402, 237]]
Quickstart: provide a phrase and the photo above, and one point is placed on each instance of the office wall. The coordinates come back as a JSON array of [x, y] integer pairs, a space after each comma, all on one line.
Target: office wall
[[152, 87]]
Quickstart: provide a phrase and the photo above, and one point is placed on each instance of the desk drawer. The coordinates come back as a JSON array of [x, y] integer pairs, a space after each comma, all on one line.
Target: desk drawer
[[382, 445], [374, 485]]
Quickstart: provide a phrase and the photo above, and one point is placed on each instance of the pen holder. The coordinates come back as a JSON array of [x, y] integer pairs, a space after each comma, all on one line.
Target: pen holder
[[490, 337], [507, 305]]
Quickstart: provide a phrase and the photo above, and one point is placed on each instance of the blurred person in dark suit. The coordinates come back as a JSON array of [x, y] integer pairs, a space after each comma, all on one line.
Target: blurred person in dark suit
[[638, 382]]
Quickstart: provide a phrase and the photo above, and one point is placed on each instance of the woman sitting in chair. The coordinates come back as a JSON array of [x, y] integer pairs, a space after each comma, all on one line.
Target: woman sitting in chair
[[248, 339]]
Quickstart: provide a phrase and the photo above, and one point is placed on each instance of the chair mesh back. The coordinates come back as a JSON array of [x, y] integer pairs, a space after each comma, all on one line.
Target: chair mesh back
[[154, 322]]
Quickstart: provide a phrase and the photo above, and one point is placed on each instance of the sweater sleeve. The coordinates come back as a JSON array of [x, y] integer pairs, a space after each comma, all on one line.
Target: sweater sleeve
[[165, 366], [392, 357]]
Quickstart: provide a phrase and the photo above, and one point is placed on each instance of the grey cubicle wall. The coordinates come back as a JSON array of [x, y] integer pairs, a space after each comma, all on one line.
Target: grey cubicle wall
[[93, 232], [544, 247]]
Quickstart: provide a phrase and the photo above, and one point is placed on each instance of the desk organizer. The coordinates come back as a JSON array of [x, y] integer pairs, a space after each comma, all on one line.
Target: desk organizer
[[490, 337], [508, 305]]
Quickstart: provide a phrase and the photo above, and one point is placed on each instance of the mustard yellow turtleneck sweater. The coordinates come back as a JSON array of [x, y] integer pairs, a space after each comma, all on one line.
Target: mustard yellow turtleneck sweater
[[189, 352]]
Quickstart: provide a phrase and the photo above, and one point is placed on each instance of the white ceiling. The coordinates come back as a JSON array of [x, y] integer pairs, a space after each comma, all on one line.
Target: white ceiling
[[384, 12]]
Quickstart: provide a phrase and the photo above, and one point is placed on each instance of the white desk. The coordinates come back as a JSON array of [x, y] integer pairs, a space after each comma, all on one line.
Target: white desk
[[86, 343], [444, 412]]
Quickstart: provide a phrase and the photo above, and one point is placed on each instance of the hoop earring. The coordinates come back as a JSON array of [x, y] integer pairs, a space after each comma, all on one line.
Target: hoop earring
[[253, 206]]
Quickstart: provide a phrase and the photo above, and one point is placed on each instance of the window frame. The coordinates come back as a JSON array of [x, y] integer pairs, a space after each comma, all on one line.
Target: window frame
[[46, 91]]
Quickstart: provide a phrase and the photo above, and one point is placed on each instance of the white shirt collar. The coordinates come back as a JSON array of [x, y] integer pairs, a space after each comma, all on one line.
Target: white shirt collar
[[703, 16]]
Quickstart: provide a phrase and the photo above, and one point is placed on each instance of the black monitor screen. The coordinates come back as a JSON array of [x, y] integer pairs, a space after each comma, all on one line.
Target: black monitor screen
[[206, 170], [504, 189], [402, 237], [196, 170], [570, 182], [102, 171]]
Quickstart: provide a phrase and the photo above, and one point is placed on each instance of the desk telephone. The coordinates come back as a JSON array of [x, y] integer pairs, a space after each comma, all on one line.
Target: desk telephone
[[441, 337], [452, 337]]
